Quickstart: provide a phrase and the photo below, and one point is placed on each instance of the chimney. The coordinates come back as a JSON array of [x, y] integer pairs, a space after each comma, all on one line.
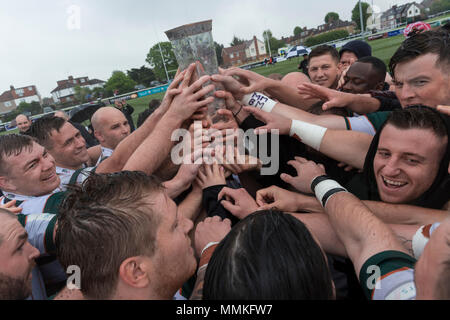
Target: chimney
[[11, 87], [256, 46], [70, 78]]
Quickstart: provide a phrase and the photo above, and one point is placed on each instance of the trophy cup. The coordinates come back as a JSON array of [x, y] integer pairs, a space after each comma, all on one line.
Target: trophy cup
[[194, 43]]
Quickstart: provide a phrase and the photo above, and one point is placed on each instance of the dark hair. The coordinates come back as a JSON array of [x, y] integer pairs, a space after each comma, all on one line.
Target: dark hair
[[42, 129], [105, 221], [421, 117], [437, 42], [13, 144], [268, 255], [143, 116], [378, 66], [153, 104], [323, 50]]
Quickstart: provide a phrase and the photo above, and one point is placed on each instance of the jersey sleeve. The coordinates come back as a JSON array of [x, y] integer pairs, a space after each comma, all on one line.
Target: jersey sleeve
[[388, 275], [369, 123], [40, 228]]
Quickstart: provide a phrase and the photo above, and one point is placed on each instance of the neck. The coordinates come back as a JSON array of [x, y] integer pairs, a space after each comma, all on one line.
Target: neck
[[61, 165]]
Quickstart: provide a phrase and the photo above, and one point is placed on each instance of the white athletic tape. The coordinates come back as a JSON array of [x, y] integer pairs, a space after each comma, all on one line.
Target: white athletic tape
[[310, 134], [259, 100], [324, 188], [419, 241]]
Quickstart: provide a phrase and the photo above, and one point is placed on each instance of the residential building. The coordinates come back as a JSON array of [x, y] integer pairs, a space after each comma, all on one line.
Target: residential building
[[336, 25], [406, 13], [10, 100], [65, 91], [247, 52]]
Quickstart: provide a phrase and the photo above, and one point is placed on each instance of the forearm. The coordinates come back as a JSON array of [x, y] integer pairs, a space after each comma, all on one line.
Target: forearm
[[320, 227], [175, 187], [327, 121], [363, 104], [346, 146], [191, 206], [128, 146], [308, 204], [362, 233], [155, 148], [405, 214], [288, 95]]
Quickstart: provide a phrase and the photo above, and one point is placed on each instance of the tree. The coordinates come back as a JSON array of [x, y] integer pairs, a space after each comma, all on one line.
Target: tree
[[297, 30], [356, 16], [219, 47], [119, 81], [275, 44], [82, 94], [155, 60], [143, 75], [331, 16], [236, 41], [440, 6], [34, 107]]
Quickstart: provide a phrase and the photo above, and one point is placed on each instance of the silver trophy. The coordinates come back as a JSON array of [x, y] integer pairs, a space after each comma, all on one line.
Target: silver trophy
[[194, 43]]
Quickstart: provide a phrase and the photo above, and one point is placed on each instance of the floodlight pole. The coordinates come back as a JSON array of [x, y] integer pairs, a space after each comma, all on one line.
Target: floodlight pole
[[164, 63], [361, 17], [268, 43]]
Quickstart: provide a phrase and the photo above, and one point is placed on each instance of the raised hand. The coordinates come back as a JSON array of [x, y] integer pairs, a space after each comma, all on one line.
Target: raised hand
[[306, 172], [238, 202]]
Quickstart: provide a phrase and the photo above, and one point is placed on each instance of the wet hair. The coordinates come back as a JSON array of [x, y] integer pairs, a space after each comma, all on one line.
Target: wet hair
[[13, 145], [103, 222], [417, 117], [323, 50], [42, 129], [268, 255], [378, 66], [436, 42]]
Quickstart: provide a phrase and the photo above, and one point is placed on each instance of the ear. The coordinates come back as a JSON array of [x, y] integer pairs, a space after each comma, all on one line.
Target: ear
[[379, 86], [99, 136], [135, 271], [6, 185]]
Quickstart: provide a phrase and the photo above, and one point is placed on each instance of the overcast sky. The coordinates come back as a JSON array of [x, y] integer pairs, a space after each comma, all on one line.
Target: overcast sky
[[45, 41]]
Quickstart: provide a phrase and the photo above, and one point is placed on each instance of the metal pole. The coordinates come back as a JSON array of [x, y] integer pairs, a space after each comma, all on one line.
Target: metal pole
[[164, 63], [268, 43], [361, 17]]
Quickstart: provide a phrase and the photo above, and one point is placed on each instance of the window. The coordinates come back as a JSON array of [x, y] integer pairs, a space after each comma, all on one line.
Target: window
[[19, 92], [30, 88], [231, 56], [82, 81], [417, 11], [8, 104], [237, 54]]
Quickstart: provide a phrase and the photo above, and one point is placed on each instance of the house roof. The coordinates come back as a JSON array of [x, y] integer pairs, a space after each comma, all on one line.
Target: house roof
[[66, 84], [12, 95]]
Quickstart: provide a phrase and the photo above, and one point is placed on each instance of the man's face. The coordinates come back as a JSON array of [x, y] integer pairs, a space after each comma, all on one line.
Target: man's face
[[347, 59], [420, 81], [323, 70], [17, 260], [68, 147], [360, 79], [174, 257], [113, 130], [31, 173], [430, 265], [23, 123], [406, 163]]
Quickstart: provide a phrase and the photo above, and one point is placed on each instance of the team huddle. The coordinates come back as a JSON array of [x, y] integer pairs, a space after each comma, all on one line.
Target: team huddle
[[357, 209]]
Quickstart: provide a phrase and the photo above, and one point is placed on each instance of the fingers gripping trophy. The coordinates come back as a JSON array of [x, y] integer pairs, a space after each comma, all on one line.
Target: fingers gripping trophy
[[194, 43]]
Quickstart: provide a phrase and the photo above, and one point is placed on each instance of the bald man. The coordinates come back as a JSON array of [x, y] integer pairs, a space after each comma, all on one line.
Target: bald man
[[110, 128], [23, 123]]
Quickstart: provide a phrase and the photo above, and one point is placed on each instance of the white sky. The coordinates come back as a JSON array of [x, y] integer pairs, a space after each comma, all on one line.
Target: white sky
[[38, 47]]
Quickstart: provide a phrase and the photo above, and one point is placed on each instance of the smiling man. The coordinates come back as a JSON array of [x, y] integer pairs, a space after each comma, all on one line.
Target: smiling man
[[110, 128], [323, 67]]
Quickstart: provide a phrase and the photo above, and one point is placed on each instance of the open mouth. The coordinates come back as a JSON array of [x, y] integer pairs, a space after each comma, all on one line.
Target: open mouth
[[392, 184]]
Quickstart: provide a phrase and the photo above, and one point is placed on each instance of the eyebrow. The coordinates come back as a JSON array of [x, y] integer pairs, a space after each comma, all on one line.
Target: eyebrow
[[22, 238], [405, 153]]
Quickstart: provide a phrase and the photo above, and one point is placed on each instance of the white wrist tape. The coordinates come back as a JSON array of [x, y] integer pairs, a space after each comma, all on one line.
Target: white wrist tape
[[259, 100], [421, 238], [207, 246], [310, 134], [327, 188]]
